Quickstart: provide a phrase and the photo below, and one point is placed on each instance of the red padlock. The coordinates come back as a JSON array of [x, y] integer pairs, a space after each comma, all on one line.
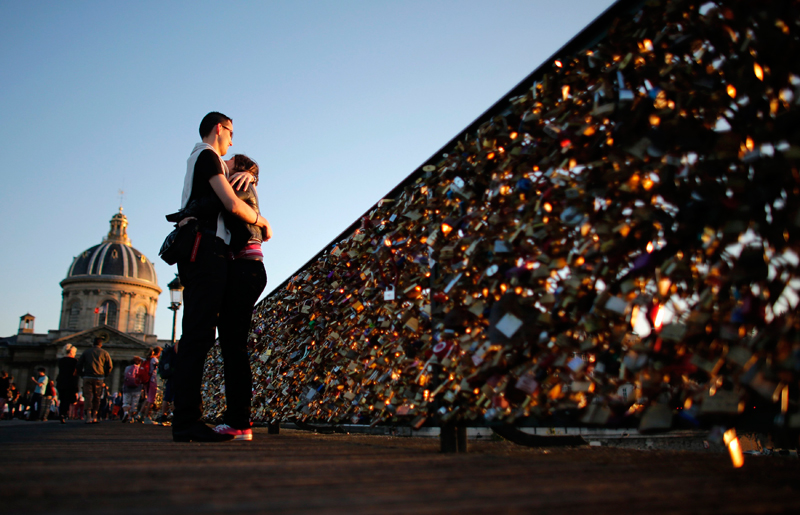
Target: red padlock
[[442, 349]]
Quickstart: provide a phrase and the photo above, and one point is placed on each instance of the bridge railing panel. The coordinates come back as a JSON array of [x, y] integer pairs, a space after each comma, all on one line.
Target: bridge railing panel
[[615, 242]]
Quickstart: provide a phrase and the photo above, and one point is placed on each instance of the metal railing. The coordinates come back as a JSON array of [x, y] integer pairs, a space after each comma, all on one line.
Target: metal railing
[[613, 243]]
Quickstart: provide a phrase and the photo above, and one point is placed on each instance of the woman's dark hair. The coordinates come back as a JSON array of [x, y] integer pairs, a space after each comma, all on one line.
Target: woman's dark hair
[[245, 164], [210, 121]]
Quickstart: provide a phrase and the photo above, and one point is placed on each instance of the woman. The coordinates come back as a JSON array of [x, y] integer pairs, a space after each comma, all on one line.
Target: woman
[[67, 382], [151, 386], [131, 390], [204, 273], [246, 280]]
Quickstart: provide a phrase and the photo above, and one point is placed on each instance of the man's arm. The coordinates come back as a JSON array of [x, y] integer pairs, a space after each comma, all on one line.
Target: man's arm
[[234, 204]]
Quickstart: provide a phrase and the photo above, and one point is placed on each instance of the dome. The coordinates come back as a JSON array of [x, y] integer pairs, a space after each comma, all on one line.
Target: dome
[[114, 257]]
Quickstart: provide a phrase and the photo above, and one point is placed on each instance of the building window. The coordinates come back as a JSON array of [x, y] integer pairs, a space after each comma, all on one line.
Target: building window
[[107, 314], [140, 319], [74, 315]]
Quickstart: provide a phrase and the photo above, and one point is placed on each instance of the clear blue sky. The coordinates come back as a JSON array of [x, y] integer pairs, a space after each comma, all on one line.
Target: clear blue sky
[[338, 101]]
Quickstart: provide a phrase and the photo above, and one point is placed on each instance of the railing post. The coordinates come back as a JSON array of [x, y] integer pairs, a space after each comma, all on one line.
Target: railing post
[[461, 438], [448, 439]]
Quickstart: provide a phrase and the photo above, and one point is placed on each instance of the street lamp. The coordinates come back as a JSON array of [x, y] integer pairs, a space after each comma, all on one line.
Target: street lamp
[[175, 298]]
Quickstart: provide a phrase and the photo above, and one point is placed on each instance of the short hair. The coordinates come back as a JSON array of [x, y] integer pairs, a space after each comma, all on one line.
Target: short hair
[[42, 369], [98, 340], [210, 121], [137, 360], [242, 163]]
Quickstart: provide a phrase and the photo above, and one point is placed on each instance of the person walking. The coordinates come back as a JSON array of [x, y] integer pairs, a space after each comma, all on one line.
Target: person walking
[[131, 390], [204, 273], [5, 384], [38, 394], [47, 401], [150, 388], [13, 399], [67, 382], [166, 369], [93, 366], [24, 409]]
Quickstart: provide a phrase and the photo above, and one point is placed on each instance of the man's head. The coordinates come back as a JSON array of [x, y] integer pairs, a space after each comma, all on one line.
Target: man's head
[[216, 129], [137, 360], [98, 341], [41, 371]]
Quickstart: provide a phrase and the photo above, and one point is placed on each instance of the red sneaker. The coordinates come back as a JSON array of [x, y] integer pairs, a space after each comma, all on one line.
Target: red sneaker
[[238, 434]]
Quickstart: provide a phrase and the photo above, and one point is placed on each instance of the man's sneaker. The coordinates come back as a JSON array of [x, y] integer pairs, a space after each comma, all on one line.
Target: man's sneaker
[[125, 417], [238, 434]]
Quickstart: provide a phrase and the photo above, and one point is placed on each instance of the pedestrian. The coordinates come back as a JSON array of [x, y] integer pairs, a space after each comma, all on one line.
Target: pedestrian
[[105, 403], [204, 273], [77, 408], [131, 390], [23, 411], [93, 366], [166, 369], [13, 399], [150, 388], [67, 382], [5, 384], [47, 401], [116, 409], [41, 381]]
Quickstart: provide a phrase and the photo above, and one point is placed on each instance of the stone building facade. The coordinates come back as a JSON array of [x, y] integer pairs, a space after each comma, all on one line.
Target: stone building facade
[[111, 291]]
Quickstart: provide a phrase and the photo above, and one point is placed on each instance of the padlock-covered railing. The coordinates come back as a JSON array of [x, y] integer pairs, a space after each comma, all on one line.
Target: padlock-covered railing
[[615, 242]]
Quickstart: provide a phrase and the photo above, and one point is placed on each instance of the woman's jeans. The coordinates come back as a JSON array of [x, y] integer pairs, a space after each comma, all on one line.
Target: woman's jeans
[[246, 281]]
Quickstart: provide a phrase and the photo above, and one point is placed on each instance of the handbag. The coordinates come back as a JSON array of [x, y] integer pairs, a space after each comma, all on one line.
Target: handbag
[[182, 243]]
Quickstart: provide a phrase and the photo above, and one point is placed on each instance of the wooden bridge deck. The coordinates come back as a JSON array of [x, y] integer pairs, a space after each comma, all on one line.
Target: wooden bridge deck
[[114, 468]]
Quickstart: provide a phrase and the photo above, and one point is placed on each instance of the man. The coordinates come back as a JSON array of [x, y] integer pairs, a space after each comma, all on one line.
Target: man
[[38, 392], [206, 195], [5, 384], [93, 366]]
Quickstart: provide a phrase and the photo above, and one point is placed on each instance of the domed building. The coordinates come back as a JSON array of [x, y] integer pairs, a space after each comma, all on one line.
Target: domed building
[[111, 291], [111, 284]]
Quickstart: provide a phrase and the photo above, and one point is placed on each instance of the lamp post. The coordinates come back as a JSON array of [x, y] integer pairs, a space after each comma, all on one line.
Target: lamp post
[[175, 298]]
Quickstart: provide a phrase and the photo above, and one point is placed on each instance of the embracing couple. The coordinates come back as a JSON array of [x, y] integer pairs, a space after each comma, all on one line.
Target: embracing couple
[[222, 279]]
